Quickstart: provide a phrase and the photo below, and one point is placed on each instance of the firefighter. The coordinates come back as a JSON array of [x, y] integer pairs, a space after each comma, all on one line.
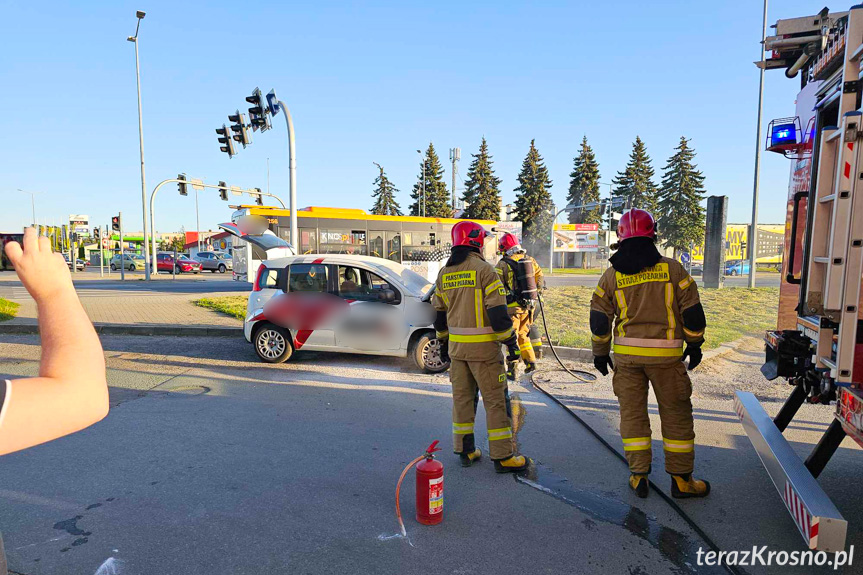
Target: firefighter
[[520, 306], [650, 306], [471, 323]]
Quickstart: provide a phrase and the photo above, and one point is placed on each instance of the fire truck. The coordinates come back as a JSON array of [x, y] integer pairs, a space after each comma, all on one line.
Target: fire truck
[[818, 346]]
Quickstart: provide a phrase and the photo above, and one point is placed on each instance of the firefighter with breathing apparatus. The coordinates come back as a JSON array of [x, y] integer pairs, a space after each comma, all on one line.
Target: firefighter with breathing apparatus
[[650, 306], [471, 323], [521, 277]]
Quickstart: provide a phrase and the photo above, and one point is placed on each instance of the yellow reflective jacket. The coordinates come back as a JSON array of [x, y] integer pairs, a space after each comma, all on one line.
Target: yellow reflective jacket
[[466, 292], [646, 312]]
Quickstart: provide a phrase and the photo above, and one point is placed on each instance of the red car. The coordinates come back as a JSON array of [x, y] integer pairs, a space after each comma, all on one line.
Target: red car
[[166, 263]]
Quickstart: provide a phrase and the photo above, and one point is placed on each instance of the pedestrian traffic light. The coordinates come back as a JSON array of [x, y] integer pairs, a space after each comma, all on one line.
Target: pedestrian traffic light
[[181, 185], [240, 129], [226, 141], [223, 191], [257, 113], [115, 223], [259, 198], [97, 233]]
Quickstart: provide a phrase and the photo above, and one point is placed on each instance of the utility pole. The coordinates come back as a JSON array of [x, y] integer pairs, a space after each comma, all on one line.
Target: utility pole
[[134, 39], [454, 156], [753, 229], [197, 221]]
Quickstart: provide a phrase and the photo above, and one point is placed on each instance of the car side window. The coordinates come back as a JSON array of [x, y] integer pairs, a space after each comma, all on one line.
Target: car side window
[[307, 278], [269, 279], [377, 284]]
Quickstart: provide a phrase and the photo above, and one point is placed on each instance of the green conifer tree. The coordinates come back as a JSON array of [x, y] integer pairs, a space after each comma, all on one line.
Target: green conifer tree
[[437, 200], [482, 188], [384, 195], [584, 186], [635, 183], [533, 202], [681, 216]]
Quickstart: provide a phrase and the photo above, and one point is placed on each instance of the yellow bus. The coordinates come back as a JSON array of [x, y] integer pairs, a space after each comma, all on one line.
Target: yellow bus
[[416, 242]]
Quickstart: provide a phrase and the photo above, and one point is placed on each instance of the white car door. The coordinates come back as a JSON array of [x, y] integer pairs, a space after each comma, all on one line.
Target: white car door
[[376, 319]]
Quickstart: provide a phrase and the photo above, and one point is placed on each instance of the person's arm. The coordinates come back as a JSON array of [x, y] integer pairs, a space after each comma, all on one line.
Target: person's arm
[[602, 315], [70, 392]]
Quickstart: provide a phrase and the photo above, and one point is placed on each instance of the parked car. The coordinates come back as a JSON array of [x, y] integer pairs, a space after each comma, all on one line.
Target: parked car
[[131, 262], [696, 270], [736, 267], [79, 263], [165, 263], [215, 261], [370, 305]]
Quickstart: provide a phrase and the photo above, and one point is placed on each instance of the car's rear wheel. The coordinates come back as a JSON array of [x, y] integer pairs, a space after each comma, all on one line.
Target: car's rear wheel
[[222, 268], [177, 270], [132, 267], [273, 344], [113, 268], [426, 354], [733, 273]]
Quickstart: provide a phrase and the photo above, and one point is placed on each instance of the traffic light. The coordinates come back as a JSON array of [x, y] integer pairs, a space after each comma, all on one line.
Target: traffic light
[[226, 141], [259, 198], [223, 191], [97, 233], [115, 223], [742, 248], [258, 113], [181, 185], [240, 129]]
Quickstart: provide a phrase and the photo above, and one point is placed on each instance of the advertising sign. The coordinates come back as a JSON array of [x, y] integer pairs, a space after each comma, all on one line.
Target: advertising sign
[[512, 227], [79, 224], [771, 238], [576, 237]]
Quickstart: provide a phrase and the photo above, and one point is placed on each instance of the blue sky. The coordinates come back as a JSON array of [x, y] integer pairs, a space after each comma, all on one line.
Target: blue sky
[[372, 82]]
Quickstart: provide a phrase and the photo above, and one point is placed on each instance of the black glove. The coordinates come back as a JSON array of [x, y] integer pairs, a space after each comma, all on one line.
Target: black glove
[[444, 350], [693, 352], [602, 363], [511, 344]]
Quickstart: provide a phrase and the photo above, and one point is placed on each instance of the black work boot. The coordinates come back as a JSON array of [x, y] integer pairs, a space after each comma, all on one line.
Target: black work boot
[[638, 483]]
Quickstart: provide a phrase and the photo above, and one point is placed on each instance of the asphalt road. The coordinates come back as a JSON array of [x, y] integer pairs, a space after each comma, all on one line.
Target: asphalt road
[[207, 465]]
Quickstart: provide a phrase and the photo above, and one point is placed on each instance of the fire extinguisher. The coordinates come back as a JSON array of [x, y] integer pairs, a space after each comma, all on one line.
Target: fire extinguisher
[[430, 488]]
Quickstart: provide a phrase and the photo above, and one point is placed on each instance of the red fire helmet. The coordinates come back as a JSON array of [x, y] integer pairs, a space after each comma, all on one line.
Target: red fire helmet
[[467, 233], [507, 241], [636, 223]]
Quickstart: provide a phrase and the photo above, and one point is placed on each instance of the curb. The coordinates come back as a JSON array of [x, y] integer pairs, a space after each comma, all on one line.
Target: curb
[[150, 330], [582, 354]]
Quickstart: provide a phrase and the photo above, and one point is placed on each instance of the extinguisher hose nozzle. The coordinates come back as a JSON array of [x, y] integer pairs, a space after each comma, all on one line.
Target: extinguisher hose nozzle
[[398, 491]]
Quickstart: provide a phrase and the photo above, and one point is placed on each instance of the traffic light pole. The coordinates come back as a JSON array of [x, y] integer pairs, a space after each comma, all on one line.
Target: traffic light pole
[[292, 171], [122, 251], [174, 181]]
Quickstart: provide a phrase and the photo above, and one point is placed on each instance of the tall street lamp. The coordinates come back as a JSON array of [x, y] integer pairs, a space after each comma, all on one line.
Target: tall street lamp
[[32, 202], [423, 202], [753, 230], [134, 39]]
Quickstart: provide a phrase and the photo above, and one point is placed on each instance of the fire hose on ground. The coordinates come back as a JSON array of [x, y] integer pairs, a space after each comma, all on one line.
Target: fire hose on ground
[[591, 378]]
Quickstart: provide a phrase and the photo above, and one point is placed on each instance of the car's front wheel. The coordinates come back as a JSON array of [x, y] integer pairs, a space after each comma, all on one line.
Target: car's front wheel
[[222, 268], [113, 268], [273, 344], [132, 267], [426, 354]]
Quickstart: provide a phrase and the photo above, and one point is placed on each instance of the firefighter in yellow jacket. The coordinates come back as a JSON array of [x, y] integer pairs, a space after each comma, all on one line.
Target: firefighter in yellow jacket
[[650, 306], [520, 308], [471, 323]]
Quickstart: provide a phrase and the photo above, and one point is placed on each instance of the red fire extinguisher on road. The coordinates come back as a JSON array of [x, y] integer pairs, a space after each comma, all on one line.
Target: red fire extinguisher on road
[[430, 488]]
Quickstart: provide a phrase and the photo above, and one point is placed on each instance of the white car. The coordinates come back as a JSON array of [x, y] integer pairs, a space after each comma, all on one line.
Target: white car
[[341, 303]]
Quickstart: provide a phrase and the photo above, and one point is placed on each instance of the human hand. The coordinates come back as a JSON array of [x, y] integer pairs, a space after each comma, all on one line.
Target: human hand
[[602, 363], [44, 273], [693, 352]]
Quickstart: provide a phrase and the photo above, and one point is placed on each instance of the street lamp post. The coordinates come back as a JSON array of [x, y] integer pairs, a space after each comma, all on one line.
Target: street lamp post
[[134, 39], [753, 230], [32, 202]]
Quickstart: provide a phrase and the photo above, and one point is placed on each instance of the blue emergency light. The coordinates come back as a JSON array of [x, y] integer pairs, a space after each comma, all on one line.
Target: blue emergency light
[[783, 134]]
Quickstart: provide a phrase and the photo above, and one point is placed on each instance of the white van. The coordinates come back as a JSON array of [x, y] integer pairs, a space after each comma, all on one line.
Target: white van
[[342, 303]]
